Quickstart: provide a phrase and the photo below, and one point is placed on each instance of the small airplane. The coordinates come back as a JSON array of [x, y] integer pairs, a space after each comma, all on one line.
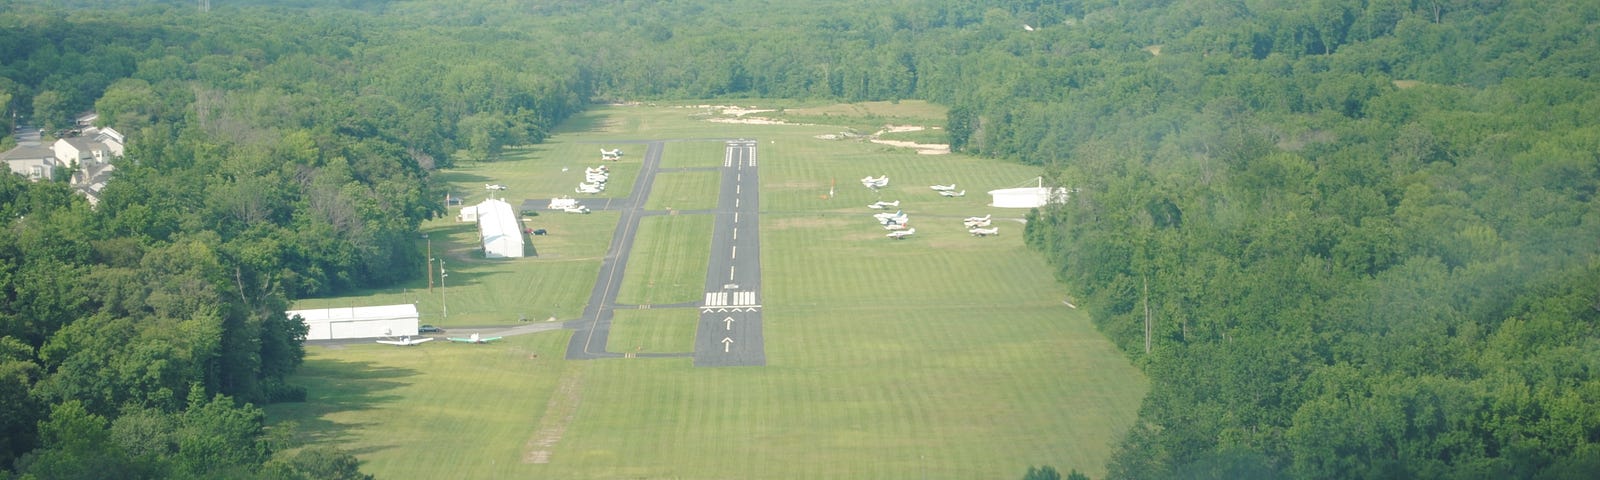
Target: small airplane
[[894, 226], [943, 188], [493, 186], [897, 213], [576, 209], [599, 169], [590, 188], [474, 339], [952, 193], [976, 223], [984, 232], [978, 219], [612, 153], [406, 341], [879, 182], [595, 178], [880, 205], [902, 234], [899, 219]]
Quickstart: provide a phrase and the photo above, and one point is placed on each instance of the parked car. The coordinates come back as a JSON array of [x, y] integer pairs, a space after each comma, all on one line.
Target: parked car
[[429, 329]]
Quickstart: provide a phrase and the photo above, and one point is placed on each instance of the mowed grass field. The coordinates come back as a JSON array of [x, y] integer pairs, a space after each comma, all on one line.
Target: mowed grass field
[[940, 356]]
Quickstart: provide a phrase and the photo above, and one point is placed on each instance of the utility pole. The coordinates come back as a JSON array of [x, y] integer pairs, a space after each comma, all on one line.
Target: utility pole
[[1146, 314], [428, 269], [444, 308]]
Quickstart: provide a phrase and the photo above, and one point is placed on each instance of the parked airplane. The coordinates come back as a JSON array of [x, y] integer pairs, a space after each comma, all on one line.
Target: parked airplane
[[976, 223], [599, 169], [590, 188], [615, 152], [951, 193], [406, 341], [474, 339], [901, 219], [902, 234], [943, 188], [576, 209], [595, 178], [879, 182], [880, 205], [894, 226], [493, 186], [984, 232]]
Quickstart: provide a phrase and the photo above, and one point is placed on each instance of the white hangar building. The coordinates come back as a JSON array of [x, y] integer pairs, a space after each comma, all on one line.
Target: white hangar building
[[1027, 197], [497, 227], [359, 322]]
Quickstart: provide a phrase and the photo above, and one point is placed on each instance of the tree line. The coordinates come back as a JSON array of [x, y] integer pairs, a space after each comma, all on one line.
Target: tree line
[[1343, 238]]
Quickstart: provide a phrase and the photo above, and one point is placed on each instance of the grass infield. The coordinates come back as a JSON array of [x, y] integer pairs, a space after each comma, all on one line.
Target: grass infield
[[940, 356]]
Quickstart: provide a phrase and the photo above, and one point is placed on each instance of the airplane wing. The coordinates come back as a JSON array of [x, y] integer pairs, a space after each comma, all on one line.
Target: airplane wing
[[490, 339], [393, 342], [421, 340], [461, 340]]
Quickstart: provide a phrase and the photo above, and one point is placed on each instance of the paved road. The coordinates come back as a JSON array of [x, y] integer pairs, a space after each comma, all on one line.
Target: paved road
[[729, 332]]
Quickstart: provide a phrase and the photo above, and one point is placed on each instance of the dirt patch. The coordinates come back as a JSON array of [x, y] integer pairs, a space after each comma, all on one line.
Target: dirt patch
[[1153, 50], [921, 148], [558, 415], [1404, 84]]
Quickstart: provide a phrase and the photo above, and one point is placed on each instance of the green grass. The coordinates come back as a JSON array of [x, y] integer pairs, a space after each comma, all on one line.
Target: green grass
[[668, 261], [940, 356], [693, 154], [692, 190], [654, 330]]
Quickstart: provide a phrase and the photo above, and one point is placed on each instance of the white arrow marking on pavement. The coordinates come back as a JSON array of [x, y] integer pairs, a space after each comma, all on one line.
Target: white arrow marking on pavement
[[728, 321], [726, 343]]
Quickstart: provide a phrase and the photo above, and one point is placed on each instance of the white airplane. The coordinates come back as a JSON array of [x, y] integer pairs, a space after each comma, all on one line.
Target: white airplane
[[493, 186], [590, 188], [599, 169], [576, 209], [880, 182], [595, 178], [976, 223], [900, 219], [474, 339], [902, 234], [943, 188], [894, 226], [880, 205], [406, 341], [984, 232], [613, 153], [952, 193]]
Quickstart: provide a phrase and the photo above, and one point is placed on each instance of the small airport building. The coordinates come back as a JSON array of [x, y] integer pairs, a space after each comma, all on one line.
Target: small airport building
[[498, 228], [358, 322], [1027, 197]]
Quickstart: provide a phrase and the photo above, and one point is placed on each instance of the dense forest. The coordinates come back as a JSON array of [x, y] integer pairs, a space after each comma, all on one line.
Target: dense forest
[[1343, 238]]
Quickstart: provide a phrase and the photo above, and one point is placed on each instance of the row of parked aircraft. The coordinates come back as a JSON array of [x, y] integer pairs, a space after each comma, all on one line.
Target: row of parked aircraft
[[594, 179], [407, 341], [975, 226]]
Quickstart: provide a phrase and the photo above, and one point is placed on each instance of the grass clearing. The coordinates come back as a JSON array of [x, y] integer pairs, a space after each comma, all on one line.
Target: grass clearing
[[940, 356], [654, 330], [668, 261], [692, 190]]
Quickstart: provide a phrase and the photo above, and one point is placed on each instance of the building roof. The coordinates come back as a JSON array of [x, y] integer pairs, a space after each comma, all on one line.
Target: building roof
[[28, 153], [356, 314], [501, 232]]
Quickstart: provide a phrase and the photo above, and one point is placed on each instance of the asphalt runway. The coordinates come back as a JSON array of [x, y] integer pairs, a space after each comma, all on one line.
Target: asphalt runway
[[729, 332]]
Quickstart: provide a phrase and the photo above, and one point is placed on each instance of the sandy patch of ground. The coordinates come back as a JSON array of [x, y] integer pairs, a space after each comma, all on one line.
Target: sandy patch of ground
[[1153, 49], [921, 148], [1404, 84], [751, 121]]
